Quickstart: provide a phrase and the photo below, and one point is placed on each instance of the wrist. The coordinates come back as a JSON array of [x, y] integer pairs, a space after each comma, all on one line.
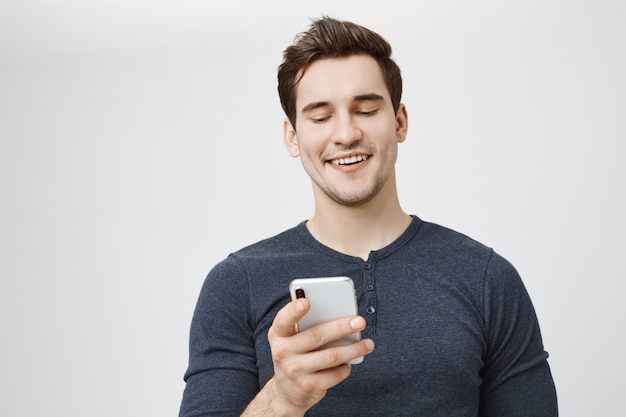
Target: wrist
[[279, 406], [270, 403]]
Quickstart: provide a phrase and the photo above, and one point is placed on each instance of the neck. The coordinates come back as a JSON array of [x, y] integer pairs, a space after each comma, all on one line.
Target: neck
[[356, 231]]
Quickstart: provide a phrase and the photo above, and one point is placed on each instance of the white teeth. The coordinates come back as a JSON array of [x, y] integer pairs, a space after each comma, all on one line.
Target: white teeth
[[350, 160]]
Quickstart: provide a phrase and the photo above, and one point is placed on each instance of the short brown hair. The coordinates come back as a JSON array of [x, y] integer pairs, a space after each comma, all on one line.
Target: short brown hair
[[331, 38]]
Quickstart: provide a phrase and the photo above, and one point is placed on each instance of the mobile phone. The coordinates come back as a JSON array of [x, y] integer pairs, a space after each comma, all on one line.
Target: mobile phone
[[330, 298]]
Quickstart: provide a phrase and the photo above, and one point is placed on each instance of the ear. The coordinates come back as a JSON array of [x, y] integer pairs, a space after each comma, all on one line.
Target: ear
[[402, 123], [290, 138]]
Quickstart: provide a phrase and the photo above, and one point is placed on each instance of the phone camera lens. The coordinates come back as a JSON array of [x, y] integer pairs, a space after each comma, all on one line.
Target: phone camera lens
[[299, 293]]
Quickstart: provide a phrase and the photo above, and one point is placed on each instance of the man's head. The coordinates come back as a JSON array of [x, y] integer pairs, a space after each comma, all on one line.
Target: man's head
[[330, 38]]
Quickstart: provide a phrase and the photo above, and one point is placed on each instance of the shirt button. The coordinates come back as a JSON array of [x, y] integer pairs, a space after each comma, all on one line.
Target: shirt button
[[370, 310], [367, 265], [369, 287]]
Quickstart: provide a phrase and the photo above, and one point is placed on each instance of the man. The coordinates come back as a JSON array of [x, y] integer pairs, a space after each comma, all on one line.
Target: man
[[448, 328]]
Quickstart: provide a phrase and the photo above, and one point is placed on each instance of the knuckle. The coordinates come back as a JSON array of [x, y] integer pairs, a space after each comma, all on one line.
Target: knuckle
[[293, 371], [309, 385], [279, 351], [316, 338], [332, 356]]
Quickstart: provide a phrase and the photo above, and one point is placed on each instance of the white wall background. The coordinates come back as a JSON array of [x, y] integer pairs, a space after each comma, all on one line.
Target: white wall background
[[140, 143]]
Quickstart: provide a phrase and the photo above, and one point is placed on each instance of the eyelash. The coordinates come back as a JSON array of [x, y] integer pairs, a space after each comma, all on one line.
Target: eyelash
[[368, 113]]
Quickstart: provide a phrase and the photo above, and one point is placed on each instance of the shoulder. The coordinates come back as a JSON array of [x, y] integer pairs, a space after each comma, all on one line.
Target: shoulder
[[439, 241], [259, 259], [462, 256], [270, 246]]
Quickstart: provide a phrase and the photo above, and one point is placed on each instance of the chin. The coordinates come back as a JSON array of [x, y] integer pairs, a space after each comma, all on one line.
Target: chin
[[353, 200], [355, 196]]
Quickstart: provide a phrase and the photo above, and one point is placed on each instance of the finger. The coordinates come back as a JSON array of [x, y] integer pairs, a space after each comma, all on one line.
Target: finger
[[324, 333], [331, 357], [324, 379], [332, 365], [287, 317]]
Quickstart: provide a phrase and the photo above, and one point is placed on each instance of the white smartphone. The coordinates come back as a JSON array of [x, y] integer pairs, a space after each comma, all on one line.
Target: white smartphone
[[330, 298]]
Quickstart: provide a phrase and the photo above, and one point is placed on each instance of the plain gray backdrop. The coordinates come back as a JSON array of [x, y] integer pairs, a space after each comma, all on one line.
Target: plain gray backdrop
[[141, 142]]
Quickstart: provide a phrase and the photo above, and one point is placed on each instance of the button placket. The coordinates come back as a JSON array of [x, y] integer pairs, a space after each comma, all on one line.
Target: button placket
[[371, 301]]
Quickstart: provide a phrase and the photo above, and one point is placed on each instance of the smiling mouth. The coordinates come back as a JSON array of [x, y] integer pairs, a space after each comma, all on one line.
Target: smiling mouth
[[349, 160]]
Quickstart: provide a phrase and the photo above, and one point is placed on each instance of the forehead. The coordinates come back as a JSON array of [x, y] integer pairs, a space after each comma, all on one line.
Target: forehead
[[340, 80]]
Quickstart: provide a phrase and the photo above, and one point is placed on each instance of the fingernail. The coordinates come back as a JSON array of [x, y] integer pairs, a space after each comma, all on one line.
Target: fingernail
[[369, 345], [356, 323], [299, 306]]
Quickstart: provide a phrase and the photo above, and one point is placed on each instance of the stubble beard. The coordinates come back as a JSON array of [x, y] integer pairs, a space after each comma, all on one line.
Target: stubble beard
[[355, 200]]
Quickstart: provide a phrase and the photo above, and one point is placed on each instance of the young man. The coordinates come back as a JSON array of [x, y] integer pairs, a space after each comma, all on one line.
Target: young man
[[448, 328]]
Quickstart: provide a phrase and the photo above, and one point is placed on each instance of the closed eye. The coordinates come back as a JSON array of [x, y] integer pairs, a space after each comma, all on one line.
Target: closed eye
[[367, 113], [320, 119]]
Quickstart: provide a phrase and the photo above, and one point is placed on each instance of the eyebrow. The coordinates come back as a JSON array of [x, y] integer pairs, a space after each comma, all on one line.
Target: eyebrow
[[369, 97], [314, 105], [362, 97]]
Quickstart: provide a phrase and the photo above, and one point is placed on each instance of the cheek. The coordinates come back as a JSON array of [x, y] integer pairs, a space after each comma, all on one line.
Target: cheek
[[391, 147], [311, 144], [309, 155], [386, 129]]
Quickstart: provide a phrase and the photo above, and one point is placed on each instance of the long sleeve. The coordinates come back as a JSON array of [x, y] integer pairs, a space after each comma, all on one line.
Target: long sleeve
[[516, 379], [222, 376]]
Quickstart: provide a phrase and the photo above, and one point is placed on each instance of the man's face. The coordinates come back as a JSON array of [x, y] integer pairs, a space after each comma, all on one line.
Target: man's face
[[346, 131]]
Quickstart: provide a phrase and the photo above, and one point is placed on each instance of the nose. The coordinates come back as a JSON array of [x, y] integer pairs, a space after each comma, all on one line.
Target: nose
[[345, 131]]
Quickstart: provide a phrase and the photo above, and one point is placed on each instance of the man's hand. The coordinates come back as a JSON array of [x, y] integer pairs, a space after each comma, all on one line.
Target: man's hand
[[302, 374]]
